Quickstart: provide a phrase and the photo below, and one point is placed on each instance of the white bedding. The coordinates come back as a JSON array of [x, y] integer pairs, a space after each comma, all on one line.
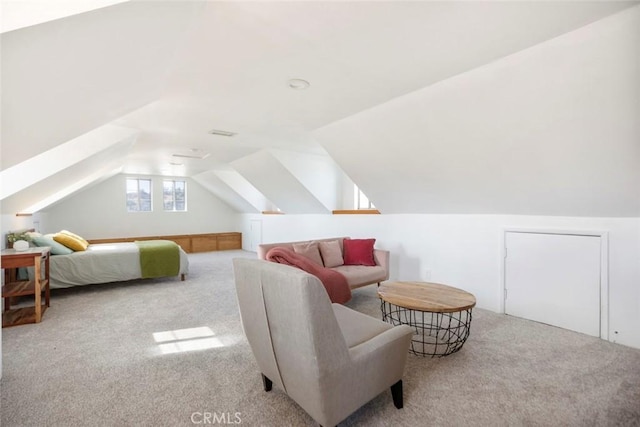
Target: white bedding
[[101, 263]]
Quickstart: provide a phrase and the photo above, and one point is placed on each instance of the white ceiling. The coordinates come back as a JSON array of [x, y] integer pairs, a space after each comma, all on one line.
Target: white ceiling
[[175, 70], [18, 14]]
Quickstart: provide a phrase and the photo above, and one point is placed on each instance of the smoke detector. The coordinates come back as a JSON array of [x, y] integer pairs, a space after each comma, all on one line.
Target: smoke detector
[[298, 84]]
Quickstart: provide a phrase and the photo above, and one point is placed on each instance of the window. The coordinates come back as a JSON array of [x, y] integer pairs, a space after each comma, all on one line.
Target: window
[[360, 200], [138, 195], [174, 195]]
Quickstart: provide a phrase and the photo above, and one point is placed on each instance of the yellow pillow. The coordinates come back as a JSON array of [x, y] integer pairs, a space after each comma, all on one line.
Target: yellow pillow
[[73, 243], [68, 233]]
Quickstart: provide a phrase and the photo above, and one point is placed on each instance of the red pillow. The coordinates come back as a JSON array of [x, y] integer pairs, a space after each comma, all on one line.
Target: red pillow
[[358, 251]]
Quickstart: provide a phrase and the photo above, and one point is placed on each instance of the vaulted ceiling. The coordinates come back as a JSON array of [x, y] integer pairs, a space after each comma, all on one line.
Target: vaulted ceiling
[[128, 86]]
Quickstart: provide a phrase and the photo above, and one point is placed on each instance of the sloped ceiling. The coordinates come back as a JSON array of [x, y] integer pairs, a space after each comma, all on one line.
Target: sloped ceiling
[[552, 130], [66, 77], [286, 192], [173, 71]]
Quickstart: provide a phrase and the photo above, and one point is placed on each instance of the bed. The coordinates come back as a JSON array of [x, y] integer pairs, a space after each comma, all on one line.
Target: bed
[[113, 262], [75, 262]]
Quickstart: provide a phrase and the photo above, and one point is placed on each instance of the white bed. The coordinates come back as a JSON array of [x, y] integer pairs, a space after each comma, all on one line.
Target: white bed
[[102, 263]]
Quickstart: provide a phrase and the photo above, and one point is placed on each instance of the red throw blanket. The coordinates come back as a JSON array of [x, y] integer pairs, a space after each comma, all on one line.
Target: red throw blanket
[[334, 282]]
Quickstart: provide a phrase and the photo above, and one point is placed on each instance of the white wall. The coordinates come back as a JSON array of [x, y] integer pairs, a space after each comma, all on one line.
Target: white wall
[[466, 251], [100, 212], [13, 223]]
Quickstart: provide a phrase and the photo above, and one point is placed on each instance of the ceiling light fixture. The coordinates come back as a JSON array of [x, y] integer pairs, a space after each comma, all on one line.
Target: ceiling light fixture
[[298, 84], [190, 156], [221, 132]]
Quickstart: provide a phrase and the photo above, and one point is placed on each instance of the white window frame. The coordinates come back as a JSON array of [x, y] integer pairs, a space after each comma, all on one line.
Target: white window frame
[[173, 195], [138, 201]]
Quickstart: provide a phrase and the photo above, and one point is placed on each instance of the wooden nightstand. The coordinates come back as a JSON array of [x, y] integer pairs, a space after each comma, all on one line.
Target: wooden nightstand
[[13, 287]]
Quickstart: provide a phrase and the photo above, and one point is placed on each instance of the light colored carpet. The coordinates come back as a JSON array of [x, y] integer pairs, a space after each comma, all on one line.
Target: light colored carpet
[[94, 361]]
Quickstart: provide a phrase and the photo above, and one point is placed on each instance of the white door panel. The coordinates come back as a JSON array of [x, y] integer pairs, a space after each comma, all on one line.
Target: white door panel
[[554, 279], [255, 237]]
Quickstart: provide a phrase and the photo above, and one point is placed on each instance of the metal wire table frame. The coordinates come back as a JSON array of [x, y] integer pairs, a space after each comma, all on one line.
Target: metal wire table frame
[[436, 334], [440, 315]]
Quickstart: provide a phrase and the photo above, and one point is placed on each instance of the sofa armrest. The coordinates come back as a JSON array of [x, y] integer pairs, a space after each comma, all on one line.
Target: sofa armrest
[[382, 259]]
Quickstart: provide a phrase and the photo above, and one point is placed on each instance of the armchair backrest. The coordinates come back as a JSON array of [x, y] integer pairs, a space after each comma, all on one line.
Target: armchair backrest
[[290, 325]]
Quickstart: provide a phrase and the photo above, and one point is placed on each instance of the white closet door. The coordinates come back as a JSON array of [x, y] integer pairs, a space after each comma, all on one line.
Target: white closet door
[[255, 235], [554, 279]]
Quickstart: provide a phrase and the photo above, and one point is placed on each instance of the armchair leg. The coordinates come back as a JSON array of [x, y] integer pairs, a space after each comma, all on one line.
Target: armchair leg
[[266, 382], [396, 393]]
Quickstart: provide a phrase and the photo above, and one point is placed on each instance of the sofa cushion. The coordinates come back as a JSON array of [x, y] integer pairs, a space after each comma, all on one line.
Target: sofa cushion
[[309, 250], [358, 275], [359, 252], [331, 253], [263, 248]]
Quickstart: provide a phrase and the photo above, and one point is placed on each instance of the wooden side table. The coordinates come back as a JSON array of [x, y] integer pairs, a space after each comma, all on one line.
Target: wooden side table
[[439, 314], [38, 258]]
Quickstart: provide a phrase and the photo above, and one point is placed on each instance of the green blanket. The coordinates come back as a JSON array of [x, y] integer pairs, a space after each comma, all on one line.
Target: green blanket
[[159, 258]]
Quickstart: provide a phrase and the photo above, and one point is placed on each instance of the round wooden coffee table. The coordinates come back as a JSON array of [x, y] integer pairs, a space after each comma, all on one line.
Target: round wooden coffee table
[[439, 314]]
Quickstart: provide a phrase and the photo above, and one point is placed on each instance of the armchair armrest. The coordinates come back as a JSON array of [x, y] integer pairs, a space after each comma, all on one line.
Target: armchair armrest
[[385, 354], [389, 338]]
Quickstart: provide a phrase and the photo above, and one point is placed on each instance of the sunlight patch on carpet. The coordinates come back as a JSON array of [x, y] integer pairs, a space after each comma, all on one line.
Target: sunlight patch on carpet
[[190, 339], [183, 334]]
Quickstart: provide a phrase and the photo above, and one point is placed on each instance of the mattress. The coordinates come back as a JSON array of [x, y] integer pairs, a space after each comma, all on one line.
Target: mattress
[[101, 263]]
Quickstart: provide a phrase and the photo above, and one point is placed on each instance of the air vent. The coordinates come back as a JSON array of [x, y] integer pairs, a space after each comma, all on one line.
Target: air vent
[[221, 132]]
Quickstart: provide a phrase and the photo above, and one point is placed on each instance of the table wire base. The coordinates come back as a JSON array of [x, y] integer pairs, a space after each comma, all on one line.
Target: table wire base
[[436, 334]]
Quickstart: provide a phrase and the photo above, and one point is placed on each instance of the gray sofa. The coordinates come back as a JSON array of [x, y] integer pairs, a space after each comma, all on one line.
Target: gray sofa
[[357, 275], [328, 358]]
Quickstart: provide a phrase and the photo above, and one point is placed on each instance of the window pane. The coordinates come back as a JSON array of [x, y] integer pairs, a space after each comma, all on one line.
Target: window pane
[[174, 195], [167, 195], [138, 195], [364, 201], [145, 205], [145, 189], [360, 200], [132, 186], [132, 195], [180, 196]]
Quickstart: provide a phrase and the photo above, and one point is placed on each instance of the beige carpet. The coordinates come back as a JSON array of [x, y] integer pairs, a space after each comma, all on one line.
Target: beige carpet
[[171, 353]]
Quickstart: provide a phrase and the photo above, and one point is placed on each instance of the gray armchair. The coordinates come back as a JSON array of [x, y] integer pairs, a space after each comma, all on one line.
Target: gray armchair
[[329, 359]]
